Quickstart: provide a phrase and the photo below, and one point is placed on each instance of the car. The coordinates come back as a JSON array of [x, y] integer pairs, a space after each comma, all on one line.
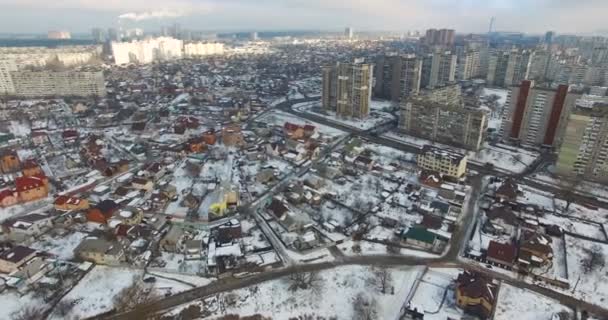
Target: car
[[150, 280]]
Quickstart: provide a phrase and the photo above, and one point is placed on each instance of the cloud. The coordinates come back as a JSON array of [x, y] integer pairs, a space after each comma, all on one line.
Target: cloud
[[148, 15]]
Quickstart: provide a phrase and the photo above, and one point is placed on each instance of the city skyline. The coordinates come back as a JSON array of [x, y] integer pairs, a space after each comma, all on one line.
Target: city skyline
[[79, 16]]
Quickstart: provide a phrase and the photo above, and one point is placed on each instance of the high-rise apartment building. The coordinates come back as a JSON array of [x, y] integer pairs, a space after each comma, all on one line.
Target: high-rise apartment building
[[469, 65], [146, 51], [507, 68], [442, 37], [397, 77], [6, 80], [98, 34], [584, 150], [536, 116], [438, 69], [59, 35], [353, 89], [199, 49], [450, 94], [348, 33], [453, 124]]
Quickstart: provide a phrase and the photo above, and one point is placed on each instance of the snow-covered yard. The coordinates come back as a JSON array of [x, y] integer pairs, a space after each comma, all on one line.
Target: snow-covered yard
[[516, 303], [434, 295], [60, 246], [12, 303], [94, 293]]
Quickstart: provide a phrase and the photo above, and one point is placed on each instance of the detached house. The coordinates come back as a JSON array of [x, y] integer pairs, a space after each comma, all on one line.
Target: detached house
[[507, 191], [65, 203], [26, 227], [12, 258], [475, 294], [9, 161], [100, 251], [535, 249], [32, 188], [31, 168], [501, 253], [8, 198], [103, 211]]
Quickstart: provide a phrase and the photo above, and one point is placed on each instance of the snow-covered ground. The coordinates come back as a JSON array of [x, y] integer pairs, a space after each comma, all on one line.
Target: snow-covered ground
[[333, 298], [12, 303], [376, 117], [435, 297], [94, 293], [60, 246], [592, 286], [506, 158], [515, 303]]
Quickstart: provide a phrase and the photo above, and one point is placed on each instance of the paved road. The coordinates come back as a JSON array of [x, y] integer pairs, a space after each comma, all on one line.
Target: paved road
[[449, 260]]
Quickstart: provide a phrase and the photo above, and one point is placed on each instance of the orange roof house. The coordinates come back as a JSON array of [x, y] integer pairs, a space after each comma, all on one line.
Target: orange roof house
[[103, 211], [32, 188]]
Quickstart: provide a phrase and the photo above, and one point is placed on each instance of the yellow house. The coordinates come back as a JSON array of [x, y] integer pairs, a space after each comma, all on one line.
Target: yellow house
[[444, 161], [475, 294]]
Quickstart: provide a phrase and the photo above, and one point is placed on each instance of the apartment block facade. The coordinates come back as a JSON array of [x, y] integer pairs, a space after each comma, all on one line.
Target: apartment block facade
[[397, 77], [536, 116], [438, 69], [58, 83], [446, 162], [584, 150], [507, 68], [353, 89], [455, 125]]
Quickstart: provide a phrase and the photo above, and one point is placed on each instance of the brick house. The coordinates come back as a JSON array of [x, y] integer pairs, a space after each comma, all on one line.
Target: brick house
[[9, 161], [65, 203], [501, 253], [475, 294], [31, 168], [32, 188], [8, 198]]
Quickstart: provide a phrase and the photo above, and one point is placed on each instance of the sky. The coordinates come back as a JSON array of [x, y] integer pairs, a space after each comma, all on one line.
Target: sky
[[531, 16]]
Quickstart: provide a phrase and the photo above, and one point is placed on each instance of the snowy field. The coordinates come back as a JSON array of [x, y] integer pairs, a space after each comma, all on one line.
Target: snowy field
[[94, 293], [593, 285], [334, 297], [515, 303], [12, 303], [376, 117]]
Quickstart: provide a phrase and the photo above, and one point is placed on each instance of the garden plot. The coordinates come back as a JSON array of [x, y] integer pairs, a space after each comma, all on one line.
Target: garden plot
[[516, 303]]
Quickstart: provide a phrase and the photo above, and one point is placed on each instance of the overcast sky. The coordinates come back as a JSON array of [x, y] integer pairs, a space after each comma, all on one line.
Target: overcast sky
[[533, 16]]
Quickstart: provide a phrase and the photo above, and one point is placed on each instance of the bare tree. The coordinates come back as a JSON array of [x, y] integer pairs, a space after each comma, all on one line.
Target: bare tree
[[134, 295], [568, 186], [28, 313], [192, 169], [594, 259], [305, 281], [365, 308], [64, 307], [381, 278]]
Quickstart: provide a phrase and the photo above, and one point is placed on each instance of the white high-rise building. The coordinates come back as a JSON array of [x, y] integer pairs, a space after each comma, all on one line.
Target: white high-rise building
[[198, 49], [147, 51]]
